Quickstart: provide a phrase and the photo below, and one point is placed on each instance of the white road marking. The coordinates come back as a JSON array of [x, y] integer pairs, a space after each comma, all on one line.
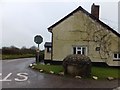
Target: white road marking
[[22, 75], [6, 78]]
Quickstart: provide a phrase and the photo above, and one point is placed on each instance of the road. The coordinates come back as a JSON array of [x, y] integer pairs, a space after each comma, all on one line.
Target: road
[[41, 80]]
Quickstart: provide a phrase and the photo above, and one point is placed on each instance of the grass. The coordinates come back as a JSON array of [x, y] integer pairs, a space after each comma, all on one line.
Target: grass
[[5, 57], [47, 68], [104, 72], [100, 72]]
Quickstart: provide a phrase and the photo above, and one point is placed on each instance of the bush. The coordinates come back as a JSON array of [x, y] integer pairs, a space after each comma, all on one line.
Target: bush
[[77, 65]]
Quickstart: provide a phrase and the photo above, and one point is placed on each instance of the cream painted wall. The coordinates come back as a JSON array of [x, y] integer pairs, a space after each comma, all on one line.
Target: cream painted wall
[[79, 29]]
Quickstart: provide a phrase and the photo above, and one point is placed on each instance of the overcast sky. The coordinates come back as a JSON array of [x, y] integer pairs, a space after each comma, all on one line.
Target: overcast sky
[[21, 20]]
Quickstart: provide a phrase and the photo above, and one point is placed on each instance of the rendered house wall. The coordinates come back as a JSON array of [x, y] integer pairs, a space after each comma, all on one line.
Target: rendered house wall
[[80, 30]]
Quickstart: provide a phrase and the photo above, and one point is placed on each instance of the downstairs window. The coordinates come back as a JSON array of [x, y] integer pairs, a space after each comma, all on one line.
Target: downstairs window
[[116, 56], [80, 50]]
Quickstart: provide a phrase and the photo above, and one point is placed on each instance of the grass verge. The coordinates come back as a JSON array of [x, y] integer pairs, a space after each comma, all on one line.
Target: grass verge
[[6, 57], [47, 68], [104, 72], [100, 72]]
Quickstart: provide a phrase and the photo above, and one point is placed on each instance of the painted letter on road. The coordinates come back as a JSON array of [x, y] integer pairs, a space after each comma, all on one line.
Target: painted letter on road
[[22, 77]]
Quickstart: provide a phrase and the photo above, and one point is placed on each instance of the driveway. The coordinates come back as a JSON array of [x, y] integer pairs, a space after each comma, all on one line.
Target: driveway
[[40, 80]]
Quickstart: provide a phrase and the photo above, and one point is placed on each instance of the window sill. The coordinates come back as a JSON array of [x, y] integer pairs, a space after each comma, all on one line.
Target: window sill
[[116, 59]]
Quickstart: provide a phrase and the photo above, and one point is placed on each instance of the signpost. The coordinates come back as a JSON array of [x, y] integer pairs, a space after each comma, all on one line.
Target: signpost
[[38, 40]]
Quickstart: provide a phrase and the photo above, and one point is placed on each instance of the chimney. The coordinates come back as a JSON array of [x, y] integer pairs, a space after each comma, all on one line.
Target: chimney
[[95, 10]]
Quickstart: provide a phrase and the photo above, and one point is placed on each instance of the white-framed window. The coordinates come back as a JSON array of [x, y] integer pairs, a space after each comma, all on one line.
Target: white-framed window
[[116, 56], [80, 50], [48, 49]]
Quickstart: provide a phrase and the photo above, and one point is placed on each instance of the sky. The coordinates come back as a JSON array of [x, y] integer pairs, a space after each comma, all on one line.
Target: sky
[[22, 20]]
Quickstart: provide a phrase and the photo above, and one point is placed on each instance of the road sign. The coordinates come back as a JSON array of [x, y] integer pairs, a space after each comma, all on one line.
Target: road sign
[[38, 39]]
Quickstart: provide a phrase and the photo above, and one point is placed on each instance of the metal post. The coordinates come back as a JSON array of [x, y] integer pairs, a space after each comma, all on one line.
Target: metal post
[[38, 54]]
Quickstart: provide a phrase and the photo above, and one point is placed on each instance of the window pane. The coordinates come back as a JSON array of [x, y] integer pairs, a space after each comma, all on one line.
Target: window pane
[[74, 50], [97, 48], [78, 52], [115, 55], [83, 51], [49, 49], [79, 48], [119, 56]]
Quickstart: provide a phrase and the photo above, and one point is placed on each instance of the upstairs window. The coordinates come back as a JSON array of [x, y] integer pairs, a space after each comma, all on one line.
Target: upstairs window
[[116, 56]]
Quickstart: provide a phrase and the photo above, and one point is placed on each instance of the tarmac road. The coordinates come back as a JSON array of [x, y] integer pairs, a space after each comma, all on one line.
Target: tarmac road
[[36, 79]]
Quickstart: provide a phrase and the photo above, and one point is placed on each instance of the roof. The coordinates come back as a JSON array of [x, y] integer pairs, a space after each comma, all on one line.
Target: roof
[[87, 13], [48, 44]]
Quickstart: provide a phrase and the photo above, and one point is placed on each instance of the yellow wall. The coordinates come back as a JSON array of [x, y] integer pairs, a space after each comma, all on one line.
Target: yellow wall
[[80, 29]]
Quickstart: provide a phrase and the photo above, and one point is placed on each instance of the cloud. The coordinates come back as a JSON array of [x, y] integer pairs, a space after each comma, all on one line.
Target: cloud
[[22, 21]]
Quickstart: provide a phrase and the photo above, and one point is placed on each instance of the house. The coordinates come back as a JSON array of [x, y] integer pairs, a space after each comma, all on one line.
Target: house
[[81, 32]]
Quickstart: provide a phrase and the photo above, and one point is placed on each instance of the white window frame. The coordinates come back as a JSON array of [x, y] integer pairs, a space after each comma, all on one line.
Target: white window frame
[[49, 49], [81, 50], [117, 56]]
